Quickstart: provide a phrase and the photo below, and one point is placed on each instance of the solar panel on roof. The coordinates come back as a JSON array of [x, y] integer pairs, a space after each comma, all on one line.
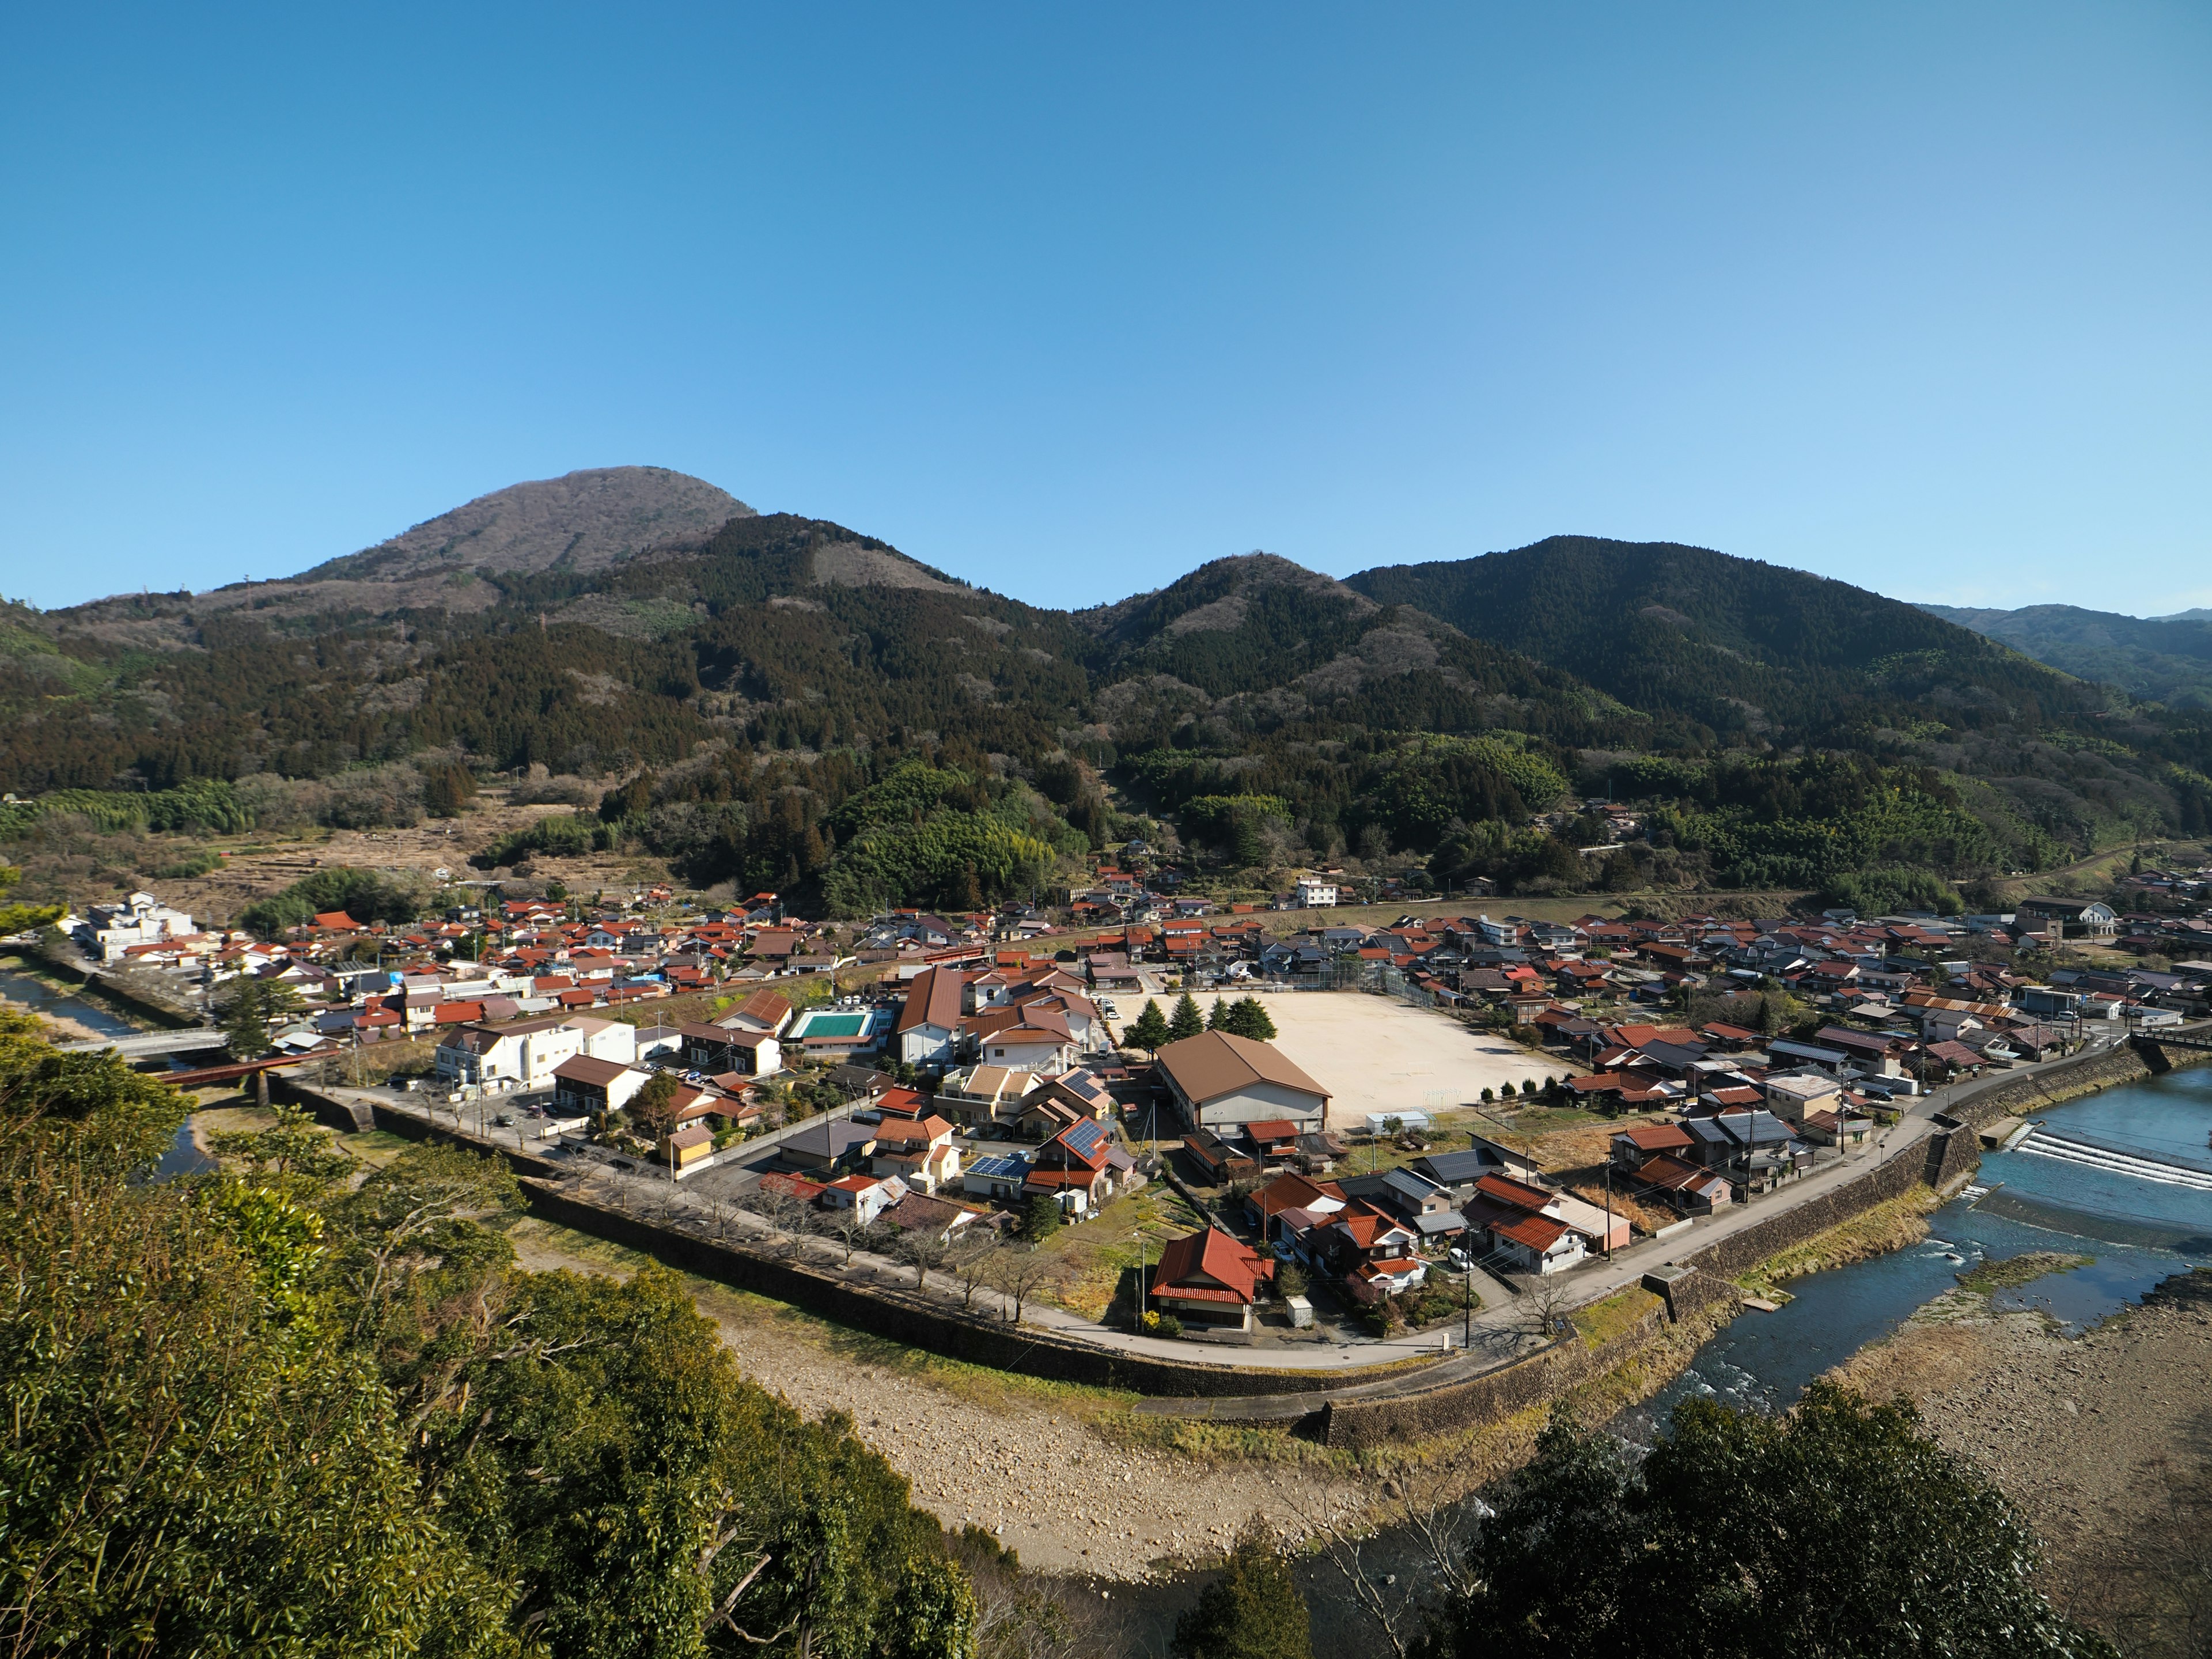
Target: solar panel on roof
[[1084, 1136]]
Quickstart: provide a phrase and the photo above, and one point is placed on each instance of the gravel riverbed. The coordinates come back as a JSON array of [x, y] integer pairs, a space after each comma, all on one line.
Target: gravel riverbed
[[2103, 1441], [980, 1448]]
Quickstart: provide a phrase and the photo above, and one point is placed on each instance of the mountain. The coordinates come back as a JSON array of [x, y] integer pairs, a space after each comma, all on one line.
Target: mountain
[[583, 522], [1743, 649], [2165, 659], [788, 701]]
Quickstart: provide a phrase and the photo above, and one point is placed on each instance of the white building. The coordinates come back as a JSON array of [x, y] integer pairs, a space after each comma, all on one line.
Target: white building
[[142, 919], [522, 1055], [1313, 892]]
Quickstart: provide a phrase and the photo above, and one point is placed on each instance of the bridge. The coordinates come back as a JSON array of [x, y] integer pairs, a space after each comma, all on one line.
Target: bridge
[[2192, 1037], [149, 1045]]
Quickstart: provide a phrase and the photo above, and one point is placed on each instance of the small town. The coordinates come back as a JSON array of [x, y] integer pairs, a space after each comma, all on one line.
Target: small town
[[933, 1086], [1036, 833]]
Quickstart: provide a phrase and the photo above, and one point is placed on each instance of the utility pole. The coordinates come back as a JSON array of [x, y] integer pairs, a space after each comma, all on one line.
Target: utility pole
[[1608, 1205]]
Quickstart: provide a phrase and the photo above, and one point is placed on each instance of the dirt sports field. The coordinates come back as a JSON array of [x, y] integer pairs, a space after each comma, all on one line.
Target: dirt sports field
[[1378, 1054]]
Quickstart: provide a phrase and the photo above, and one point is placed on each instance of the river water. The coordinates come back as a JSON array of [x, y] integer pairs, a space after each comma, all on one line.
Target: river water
[[2137, 1231], [183, 1156]]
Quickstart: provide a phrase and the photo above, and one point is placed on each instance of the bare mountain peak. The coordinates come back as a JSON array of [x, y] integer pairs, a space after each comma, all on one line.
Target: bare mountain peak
[[584, 520]]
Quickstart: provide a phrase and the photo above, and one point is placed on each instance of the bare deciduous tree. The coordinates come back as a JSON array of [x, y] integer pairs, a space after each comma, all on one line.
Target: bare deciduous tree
[[922, 1249], [1023, 1272], [1427, 1524], [973, 1260], [1545, 1300]]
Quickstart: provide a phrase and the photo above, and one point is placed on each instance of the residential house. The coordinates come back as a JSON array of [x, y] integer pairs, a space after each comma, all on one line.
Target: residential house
[[866, 1195], [1374, 1252], [1079, 1167], [522, 1055], [2067, 918], [920, 1214], [835, 1144], [584, 1087], [764, 1011], [1002, 1176], [981, 1095], [1460, 1170], [1219, 1161], [1293, 1200], [1689, 1188], [1633, 1148], [1210, 1279], [919, 1150], [928, 1023], [729, 1048]]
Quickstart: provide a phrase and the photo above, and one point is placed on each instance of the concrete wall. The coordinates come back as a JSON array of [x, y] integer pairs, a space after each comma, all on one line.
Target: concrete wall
[[1544, 1377], [884, 1311], [2128, 1062]]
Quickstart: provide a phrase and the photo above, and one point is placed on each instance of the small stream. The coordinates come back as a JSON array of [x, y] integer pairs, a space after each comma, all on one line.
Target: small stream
[[183, 1156]]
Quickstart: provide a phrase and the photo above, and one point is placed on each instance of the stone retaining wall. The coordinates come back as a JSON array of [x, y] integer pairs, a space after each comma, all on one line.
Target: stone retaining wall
[[1544, 1375], [2130, 1062], [884, 1311]]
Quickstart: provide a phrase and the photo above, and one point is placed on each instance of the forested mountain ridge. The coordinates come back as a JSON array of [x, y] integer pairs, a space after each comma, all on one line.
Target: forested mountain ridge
[[2167, 659], [1746, 649], [750, 680]]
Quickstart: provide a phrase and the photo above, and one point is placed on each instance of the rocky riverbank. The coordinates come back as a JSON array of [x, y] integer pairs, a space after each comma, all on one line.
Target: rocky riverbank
[[1065, 1475], [2103, 1441]]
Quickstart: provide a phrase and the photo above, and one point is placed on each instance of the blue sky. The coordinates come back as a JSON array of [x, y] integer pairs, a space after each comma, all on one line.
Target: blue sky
[[1069, 300]]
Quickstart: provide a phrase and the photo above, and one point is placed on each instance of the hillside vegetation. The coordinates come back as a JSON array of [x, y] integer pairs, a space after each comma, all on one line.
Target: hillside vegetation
[[783, 701]]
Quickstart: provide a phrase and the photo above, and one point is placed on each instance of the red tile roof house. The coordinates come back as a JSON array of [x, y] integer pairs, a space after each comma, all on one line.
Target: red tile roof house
[[1525, 1225], [1632, 1148], [1374, 1252], [1208, 1279]]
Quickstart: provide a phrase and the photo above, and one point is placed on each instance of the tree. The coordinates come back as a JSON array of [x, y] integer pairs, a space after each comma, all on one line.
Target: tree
[[294, 1152], [1020, 1273], [1216, 1015], [973, 1251], [1840, 1528], [1254, 1610], [1248, 1017], [1149, 1029], [246, 1009], [22, 918], [1186, 1021], [652, 1110], [448, 789], [1041, 1218]]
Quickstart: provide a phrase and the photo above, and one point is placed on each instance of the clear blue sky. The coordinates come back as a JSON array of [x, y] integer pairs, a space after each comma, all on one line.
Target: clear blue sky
[[1068, 299]]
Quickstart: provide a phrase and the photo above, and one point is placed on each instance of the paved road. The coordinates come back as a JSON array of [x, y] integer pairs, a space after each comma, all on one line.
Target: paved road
[[1501, 1332]]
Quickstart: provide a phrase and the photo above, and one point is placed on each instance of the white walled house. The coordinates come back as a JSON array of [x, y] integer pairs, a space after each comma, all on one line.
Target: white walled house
[[524, 1055]]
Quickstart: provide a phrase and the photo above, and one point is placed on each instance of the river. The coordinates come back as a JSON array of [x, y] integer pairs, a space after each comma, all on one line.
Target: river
[[183, 1156], [2137, 1232]]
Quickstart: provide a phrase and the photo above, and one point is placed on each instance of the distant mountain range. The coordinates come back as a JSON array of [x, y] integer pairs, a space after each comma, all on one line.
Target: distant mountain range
[[2165, 659], [774, 671]]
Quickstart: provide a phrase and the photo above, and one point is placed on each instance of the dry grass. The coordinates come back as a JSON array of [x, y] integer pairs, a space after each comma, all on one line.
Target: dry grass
[[1649, 1217], [1888, 1226]]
